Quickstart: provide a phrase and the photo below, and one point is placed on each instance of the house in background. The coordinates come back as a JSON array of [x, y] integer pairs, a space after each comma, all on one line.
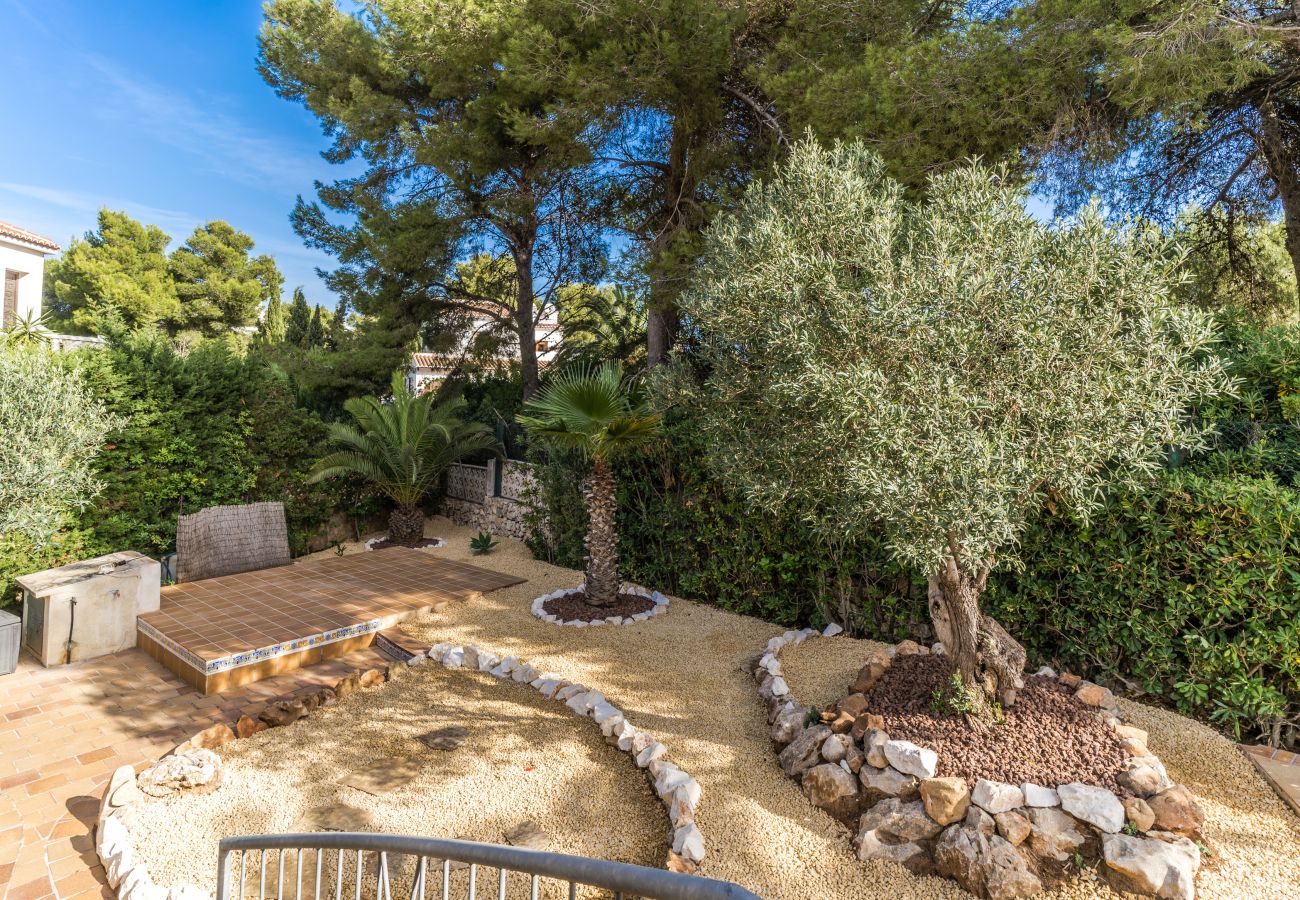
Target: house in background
[[22, 262], [427, 370]]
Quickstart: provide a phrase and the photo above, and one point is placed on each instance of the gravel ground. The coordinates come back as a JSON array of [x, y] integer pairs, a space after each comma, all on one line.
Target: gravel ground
[[683, 677]]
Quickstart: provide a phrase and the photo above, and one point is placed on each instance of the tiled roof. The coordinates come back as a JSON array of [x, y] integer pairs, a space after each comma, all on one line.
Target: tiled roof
[[435, 360], [27, 237]]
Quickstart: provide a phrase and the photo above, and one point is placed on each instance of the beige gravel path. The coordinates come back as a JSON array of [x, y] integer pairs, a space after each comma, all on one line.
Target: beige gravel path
[[682, 676]]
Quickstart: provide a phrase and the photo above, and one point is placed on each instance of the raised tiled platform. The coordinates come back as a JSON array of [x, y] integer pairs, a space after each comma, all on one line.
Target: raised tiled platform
[[224, 632], [1281, 769]]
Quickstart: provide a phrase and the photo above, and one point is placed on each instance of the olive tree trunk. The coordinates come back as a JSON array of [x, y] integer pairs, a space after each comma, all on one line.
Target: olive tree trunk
[[991, 663], [406, 524], [602, 537]]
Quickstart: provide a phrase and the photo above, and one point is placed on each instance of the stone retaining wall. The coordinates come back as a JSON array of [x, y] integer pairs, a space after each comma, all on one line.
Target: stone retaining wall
[[469, 498]]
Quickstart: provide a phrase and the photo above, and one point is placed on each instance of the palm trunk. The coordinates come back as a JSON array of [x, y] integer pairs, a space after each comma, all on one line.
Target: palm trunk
[[990, 662], [603, 581], [406, 524]]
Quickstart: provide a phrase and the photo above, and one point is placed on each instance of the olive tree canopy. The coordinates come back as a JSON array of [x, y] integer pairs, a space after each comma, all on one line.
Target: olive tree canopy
[[938, 368]]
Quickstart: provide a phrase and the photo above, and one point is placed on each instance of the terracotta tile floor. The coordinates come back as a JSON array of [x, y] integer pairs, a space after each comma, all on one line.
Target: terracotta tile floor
[[64, 730], [1280, 768], [232, 614]]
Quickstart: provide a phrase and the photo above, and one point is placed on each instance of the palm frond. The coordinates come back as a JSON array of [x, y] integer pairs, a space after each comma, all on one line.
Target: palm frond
[[591, 410]]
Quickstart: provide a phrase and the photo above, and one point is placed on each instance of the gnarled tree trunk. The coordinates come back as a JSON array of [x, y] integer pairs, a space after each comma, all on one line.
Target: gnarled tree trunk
[[602, 537], [406, 524], [989, 660]]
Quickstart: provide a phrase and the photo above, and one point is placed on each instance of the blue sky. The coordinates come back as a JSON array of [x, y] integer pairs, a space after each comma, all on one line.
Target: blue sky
[[155, 108]]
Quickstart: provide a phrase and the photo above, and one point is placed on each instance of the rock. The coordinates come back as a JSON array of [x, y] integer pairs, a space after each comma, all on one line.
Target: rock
[[122, 791], [284, 712], [1094, 805], [247, 726], [1046, 671], [1013, 826], [371, 678], [195, 770], [1151, 867], [1055, 836], [804, 751], [676, 863], [1131, 731], [831, 630], [995, 796], [652, 752], [1143, 775], [347, 684], [213, 737], [779, 688], [529, 835], [1093, 694], [829, 787], [867, 722], [842, 723], [946, 799], [854, 704], [318, 698], [1070, 681], [912, 759], [853, 758], [336, 817], [836, 747], [873, 745], [900, 819], [787, 725], [1037, 795], [1139, 813], [907, 648], [1176, 810], [689, 843], [1134, 747], [871, 671], [881, 784], [447, 738], [981, 821], [913, 857], [985, 865]]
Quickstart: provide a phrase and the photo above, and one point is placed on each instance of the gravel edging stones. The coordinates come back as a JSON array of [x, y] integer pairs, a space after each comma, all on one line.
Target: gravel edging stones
[[659, 607], [996, 839]]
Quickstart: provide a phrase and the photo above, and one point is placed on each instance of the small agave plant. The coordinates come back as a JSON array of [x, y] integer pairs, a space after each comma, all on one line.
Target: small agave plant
[[482, 543]]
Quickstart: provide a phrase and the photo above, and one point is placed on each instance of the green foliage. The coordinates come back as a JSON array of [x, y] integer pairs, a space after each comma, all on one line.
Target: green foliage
[[1241, 271], [217, 425], [1188, 591], [271, 330], [218, 284], [298, 325], [401, 447], [28, 330], [482, 543], [602, 325], [19, 556], [592, 412], [954, 698], [935, 367], [52, 429]]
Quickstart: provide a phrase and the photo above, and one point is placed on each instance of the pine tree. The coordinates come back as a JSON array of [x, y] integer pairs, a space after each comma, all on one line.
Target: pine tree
[[315, 331], [338, 325], [295, 332]]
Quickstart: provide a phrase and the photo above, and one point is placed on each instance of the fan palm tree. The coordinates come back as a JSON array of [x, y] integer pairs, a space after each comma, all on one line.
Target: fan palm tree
[[403, 446], [595, 412]]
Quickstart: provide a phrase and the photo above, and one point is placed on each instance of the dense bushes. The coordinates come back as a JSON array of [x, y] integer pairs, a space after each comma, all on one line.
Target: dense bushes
[[1189, 591]]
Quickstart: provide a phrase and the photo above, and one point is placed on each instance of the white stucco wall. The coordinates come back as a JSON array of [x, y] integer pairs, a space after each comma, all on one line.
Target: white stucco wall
[[18, 257]]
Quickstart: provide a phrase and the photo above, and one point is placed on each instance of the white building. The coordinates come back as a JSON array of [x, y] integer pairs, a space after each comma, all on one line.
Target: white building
[[22, 262], [426, 370]]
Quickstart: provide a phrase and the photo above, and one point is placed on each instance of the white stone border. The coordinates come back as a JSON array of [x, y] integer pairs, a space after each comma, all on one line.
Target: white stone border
[[677, 790], [1130, 854], [660, 607], [370, 544]]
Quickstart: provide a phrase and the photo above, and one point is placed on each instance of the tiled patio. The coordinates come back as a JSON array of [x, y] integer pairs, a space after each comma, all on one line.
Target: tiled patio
[[1281, 769], [222, 632], [64, 730]]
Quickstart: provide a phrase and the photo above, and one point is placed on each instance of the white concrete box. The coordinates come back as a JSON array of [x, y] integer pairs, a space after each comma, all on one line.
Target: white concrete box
[[88, 609]]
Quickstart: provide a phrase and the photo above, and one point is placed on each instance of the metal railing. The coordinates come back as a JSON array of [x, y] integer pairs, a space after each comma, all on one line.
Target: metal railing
[[343, 866]]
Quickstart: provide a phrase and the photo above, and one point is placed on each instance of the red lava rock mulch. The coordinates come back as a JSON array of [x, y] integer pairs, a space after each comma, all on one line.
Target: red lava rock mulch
[[575, 606], [413, 545], [1048, 738]]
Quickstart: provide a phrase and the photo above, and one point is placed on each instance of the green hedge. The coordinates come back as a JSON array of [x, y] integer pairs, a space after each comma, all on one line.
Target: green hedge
[[1189, 591]]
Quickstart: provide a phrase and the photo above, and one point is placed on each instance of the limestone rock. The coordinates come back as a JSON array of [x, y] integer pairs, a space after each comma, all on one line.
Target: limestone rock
[[836, 747], [1055, 836], [829, 787], [981, 821], [1094, 694], [349, 683], [871, 671], [866, 722], [881, 784], [854, 704], [1143, 775], [900, 819], [873, 745], [869, 846], [247, 726], [946, 799], [912, 759], [1132, 731], [787, 725], [1094, 805], [122, 791], [854, 758], [196, 770], [689, 843], [1037, 795], [987, 866], [528, 835], [446, 738], [1139, 813], [995, 796], [804, 751], [1176, 810], [1013, 826], [213, 737], [1152, 867], [283, 712]]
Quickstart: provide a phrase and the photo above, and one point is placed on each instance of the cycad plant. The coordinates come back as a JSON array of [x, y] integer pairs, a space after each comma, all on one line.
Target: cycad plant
[[403, 446], [595, 412]]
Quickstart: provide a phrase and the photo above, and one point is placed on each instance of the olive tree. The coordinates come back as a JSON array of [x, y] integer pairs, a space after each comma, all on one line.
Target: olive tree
[[938, 368], [52, 428]]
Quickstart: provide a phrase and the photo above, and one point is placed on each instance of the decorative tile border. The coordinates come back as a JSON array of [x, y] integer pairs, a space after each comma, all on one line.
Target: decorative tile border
[[261, 654]]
